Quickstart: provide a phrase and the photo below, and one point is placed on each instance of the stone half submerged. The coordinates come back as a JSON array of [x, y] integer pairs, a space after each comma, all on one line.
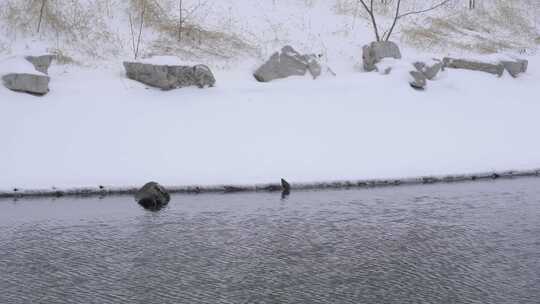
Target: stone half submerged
[[152, 196]]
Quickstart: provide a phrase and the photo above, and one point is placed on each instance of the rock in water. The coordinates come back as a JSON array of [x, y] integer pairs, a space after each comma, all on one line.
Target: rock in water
[[516, 67], [377, 50], [418, 80], [152, 196], [168, 77], [28, 83], [430, 69], [288, 63], [41, 63], [492, 68]]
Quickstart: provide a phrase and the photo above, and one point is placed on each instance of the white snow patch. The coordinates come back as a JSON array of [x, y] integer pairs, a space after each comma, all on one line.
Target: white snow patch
[[97, 127]]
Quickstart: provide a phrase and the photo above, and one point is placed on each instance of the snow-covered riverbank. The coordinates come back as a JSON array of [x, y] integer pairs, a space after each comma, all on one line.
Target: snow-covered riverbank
[[97, 127]]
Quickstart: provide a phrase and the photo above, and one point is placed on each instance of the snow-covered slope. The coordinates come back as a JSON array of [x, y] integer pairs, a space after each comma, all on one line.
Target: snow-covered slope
[[97, 127]]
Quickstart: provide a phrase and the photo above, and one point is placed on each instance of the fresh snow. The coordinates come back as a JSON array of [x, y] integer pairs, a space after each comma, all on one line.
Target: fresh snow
[[17, 64], [97, 127]]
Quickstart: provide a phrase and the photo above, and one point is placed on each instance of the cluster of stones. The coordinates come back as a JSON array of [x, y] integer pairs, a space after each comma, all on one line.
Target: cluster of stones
[[285, 63], [421, 72], [288, 62], [33, 83]]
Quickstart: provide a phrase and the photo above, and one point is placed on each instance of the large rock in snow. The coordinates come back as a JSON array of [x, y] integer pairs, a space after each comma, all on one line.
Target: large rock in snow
[[287, 63], [29, 83], [168, 77], [41, 63], [377, 50], [152, 196], [429, 69], [515, 67], [492, 68]]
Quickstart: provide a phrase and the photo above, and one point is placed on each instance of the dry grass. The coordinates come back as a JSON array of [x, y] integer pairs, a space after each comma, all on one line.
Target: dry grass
[[67, 25], [99, 29], [501, 27], [195, 42]]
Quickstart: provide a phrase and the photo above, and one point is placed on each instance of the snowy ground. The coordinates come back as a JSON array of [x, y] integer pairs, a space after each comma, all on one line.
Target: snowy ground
[[96, 127]]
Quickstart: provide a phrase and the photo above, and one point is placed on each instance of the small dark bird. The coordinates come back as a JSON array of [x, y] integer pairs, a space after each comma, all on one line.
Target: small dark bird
[[285, 185], [286, 188]]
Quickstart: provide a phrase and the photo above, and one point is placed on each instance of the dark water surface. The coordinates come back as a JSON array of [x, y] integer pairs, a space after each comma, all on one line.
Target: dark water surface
[[461, 243]]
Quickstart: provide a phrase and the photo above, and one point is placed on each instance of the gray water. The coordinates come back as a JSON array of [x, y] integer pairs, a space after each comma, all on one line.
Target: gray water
[[460, 243]]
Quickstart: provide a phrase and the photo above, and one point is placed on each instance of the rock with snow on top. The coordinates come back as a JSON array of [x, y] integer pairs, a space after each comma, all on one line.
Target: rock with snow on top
[[515, 67], [418, 80], [41, 63], [35, 84], [430, 69], [377, 50], [386, 65], [473, 65], [168, 77], [288, 62]]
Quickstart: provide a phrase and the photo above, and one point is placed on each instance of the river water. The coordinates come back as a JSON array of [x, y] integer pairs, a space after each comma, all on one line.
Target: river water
[[459, 243]]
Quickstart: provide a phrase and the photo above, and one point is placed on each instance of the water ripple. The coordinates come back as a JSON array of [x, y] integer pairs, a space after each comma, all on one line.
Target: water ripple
[[444, 244]]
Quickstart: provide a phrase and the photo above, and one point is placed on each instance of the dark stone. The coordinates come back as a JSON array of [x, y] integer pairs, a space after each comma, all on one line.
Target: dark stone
[[152, 196], [231, 189]]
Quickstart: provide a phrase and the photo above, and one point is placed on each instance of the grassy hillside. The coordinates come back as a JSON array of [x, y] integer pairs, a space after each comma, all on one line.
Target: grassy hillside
[[229, 30]]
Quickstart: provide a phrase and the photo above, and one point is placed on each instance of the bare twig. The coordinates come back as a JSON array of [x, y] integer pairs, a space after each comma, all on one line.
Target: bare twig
[[398, 15], [180, 21], [43, 2], [135, 45], [143, 10], [132, 34], [424, 10], [396, 18], [369, 10], [185, 14]]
